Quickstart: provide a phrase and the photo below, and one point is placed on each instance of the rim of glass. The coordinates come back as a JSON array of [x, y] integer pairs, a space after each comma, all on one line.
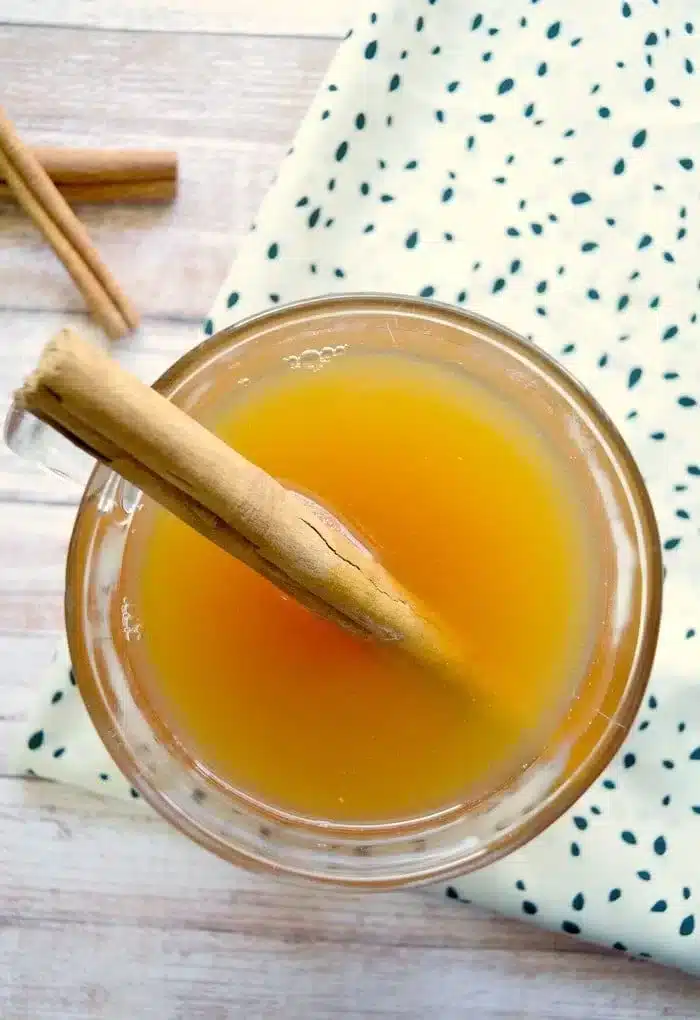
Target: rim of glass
[[565, 793]]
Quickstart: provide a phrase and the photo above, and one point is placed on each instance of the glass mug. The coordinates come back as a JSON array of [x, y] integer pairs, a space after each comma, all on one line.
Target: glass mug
[[462, 838]]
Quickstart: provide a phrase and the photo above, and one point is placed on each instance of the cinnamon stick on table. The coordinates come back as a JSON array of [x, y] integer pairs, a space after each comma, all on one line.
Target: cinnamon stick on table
[[40, 198], [149, 441], [109, 193], [69, 165], [107, 175]]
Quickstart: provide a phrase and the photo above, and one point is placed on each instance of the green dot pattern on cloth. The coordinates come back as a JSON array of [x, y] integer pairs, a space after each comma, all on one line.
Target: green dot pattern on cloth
[[508, 159], [61, 742]]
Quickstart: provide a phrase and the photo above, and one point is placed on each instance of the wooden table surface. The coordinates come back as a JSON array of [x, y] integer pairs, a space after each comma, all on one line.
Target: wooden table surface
[[105, 913]]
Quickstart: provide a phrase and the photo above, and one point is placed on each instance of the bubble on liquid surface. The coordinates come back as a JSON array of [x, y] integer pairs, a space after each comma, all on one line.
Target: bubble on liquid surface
[[130, 627], [314, 358]]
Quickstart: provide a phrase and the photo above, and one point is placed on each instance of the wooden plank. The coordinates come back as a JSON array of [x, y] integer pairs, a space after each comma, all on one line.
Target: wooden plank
[[148, 925], [278, 17], [228, 105], [33, 543], [76, 971], [147, 881], [22, 657]]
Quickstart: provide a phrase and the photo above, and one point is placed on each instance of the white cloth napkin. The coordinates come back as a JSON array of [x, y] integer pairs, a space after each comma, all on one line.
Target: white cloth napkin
[[539, 162]]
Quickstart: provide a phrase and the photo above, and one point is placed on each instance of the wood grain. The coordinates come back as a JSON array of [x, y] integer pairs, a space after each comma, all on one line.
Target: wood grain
[[254, 17], [104, 912], [176, 933]]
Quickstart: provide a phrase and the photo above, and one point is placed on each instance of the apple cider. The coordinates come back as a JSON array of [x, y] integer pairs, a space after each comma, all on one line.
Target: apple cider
[[464, 502]]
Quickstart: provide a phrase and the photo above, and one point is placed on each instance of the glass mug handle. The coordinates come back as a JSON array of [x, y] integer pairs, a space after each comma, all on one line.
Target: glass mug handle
[[39, 444]]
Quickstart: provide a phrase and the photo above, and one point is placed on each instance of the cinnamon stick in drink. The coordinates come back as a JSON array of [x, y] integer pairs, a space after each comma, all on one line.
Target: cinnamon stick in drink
[[149, 441]]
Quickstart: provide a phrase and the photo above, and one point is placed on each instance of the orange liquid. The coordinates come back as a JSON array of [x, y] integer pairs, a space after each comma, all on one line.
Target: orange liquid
[[468, 508]]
